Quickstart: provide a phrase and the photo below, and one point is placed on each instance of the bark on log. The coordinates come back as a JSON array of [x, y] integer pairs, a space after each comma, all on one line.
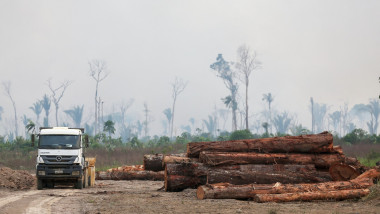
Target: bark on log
[[153, 162], [199, 169], [176, 159], [229, 191], [130, 175], [224, 158], [318, 143], [343, 172], [373, 174], [175, 183], [240, 178], [311, 196]]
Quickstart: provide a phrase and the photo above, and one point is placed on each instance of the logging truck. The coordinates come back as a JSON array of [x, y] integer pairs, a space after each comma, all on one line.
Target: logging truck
[[60, 158]]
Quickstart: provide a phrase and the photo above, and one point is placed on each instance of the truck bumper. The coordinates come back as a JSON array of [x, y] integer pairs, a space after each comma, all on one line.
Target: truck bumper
[[59, 171]]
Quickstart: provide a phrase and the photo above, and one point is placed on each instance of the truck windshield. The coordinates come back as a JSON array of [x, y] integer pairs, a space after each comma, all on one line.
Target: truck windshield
[[59, 142]]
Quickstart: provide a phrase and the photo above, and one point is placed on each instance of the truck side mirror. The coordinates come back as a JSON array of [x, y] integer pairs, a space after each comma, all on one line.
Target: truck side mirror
[[86, 140], [33, 137]]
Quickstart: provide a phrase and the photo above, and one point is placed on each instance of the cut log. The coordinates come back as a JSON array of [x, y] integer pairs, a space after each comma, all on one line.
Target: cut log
[[238, 177], [229, 191], [343, 172], [318, 143], [175, 183], [153, 162], [311, 196], [373, 174], [103, 175], [137, 175], [225, 158], [176, 159], [199, 169]]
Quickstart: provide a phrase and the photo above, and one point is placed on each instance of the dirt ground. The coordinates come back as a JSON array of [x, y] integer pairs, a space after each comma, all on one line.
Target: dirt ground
[[144, 197]]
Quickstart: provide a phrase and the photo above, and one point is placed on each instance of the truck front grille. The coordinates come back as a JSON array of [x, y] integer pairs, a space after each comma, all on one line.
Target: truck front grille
[[58, 159]]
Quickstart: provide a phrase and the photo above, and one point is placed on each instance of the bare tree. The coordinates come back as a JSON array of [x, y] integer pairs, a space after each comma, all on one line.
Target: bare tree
[[7, 89], [312, 114], [246, 64], [57, 94], [123, 109], [177, 88], [98, 71], [147, 119]]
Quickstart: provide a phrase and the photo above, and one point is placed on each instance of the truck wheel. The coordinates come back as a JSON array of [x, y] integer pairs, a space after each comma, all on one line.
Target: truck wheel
[[79, 184], [85, 179], [89, 181], [40, 184]]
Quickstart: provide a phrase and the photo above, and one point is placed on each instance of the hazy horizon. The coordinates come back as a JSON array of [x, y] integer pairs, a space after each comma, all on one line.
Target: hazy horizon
[[321, 49]]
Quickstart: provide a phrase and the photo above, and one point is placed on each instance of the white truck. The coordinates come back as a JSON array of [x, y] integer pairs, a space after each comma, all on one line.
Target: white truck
[[61, 158]]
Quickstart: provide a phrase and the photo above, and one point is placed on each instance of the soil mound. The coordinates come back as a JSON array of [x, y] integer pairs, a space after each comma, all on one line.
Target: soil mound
[[16, 179]]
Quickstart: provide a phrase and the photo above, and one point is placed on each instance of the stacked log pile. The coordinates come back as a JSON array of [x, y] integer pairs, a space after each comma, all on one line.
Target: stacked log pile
[[306, 167]]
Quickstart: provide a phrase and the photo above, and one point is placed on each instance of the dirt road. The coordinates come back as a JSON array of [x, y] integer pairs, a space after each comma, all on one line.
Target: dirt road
[[144, 197]]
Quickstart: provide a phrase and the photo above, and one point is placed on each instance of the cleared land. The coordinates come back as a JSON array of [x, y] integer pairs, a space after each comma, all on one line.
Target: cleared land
[[144, 197]]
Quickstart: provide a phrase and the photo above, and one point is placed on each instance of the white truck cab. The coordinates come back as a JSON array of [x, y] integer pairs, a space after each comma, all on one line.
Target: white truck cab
[[60, 157]]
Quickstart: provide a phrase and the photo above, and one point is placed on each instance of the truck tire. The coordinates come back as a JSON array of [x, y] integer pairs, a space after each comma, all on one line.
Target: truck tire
[[79, 183], [89, 180], [40, 184], [85, 178]]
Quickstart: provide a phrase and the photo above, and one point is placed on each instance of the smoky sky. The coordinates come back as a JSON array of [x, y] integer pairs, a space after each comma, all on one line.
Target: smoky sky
[[328, 50]]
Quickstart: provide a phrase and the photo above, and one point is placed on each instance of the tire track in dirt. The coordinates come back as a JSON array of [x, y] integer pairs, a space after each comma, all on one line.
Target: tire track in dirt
[[13, 198]]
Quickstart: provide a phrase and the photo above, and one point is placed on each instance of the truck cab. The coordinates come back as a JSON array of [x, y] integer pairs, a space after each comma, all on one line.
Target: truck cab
[[60, 157]]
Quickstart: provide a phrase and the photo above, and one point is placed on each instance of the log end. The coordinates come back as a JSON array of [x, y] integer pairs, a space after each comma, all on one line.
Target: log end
[[343, 172], [201, 192]]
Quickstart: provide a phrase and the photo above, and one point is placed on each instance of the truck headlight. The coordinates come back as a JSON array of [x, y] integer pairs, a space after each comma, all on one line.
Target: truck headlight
[[75, 173], [41, 172]]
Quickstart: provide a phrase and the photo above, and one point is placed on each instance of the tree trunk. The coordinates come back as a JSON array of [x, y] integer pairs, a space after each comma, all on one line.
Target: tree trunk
[[248, 177], [130, 175], [310, 196], [153, 162], [373, 174], [175, 183], [229, 191], [177, 159], [318, 143], [343, 172], [224, 158]]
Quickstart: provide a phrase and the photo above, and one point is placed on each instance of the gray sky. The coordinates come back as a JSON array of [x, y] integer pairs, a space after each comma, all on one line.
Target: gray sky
[[325, 49]]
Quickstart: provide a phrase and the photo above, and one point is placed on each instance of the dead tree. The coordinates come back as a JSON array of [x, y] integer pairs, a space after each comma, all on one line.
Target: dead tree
[[98, 71], [177, 88], [246, 64], [7, 89], [57, 94]]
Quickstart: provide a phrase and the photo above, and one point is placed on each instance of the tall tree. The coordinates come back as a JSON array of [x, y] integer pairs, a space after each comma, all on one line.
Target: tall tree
[[210, 125], [109, 126], [168, 114], [374, 110], [123, 109], [312, 114], [57, 94], [320, 111], [98, 71], [282, 122], [7, 89], [76, 114], [246, 64], [224, 72], [335, 118], [269, 99], [147, 119], [177, 88], [46, 103], [37, 109]]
